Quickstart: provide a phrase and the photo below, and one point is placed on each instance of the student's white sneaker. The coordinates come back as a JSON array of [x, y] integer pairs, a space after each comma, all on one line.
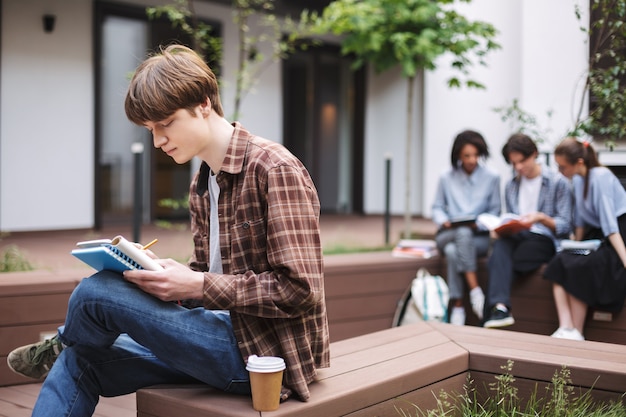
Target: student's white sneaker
[[457, 316], [570, 334], [477, 299]]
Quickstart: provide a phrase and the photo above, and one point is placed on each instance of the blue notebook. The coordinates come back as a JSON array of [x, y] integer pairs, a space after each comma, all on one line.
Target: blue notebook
[[117, 254], [106, 257]]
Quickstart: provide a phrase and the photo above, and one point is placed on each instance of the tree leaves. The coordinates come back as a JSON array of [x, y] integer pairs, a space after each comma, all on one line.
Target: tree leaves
[[410, 33], [606, 76]]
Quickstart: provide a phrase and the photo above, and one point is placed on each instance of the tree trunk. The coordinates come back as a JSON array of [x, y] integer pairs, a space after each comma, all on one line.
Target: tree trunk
[[407, 165]]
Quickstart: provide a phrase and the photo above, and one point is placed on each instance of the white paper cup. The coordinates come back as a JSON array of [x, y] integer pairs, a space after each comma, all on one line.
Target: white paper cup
[[266, 379]]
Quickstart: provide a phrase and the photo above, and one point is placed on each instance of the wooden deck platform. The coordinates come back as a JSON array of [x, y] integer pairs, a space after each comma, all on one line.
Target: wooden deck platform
[[363, 291], [394, 369], [414, 362], [18, 401]]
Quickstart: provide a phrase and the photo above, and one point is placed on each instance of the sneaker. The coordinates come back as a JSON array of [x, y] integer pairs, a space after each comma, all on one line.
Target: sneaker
[[500, 317], [477, 299], [35, 360], [457, 316], [570, 334]]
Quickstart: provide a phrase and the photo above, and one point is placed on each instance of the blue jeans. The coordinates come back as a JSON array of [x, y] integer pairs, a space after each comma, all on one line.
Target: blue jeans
[[120, 339]]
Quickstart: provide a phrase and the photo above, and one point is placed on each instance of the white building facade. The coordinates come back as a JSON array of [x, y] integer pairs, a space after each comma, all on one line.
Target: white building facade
[[48, 104]]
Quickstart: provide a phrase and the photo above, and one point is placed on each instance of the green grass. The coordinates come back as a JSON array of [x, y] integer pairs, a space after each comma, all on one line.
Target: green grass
[[13, 260], [342, 249], [560, 399]]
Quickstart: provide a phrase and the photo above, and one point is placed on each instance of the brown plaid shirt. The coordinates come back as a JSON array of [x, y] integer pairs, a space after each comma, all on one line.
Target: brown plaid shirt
[[273, 281]]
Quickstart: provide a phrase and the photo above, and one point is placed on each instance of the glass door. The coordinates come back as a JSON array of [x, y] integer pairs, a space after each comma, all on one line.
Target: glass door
[[323, 124], [124, 37], [124, 43]]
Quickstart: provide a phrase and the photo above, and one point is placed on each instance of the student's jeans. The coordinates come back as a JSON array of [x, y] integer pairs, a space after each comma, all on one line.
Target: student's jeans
[[518, 254], [461, 246], [120, 339]]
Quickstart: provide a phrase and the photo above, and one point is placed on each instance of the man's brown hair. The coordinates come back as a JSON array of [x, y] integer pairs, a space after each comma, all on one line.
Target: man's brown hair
[[173, 79]]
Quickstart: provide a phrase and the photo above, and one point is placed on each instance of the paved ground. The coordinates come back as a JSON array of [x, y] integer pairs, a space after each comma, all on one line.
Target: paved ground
[[50, 249]]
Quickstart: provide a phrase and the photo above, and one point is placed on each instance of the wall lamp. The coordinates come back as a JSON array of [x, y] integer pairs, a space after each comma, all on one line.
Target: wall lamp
[[48, 22]]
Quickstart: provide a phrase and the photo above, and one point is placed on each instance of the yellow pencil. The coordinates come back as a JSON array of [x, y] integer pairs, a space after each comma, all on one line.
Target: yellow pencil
[[150, 244]]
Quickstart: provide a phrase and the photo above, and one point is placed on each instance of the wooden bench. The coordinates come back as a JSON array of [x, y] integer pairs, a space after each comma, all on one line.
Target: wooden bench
[[533, 308], [596, 366], [362, 294], [32, 306], [363, 290], [378, 373]]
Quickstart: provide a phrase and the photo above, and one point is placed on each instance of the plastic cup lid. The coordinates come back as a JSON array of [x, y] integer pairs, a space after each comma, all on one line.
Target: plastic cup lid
[[265, 364]]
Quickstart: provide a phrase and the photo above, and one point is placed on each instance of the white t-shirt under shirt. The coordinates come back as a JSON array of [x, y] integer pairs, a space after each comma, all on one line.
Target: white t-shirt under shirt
[[215, 261], [529, 195]]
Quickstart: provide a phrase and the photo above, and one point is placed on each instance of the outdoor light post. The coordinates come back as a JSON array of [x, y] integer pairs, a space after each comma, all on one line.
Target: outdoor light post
[[137, 150], [387, 194]]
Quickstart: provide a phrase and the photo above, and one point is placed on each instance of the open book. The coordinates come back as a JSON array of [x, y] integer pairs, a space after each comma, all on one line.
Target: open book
[[504, 225], [117, 254]]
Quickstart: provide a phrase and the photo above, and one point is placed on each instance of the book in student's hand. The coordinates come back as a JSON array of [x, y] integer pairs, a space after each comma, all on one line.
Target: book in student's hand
[[580, 247], [463, 220], [504, 225], [117, 254]]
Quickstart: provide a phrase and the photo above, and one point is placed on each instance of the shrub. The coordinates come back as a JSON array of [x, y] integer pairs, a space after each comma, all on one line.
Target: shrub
[[13, 260], [559, 400]]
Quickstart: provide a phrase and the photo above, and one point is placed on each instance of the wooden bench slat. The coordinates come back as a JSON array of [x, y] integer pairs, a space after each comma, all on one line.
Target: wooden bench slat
[[369, 374], [375, 260], [382, 354], [332, 396], [342, 330], [354, 307], [425, 398], [538, 357], [389, 335], [616, 336], [497, 337], [194, 399], [376, 272], [33, 309], [531, 365], [15, 336], [20, 397], [39, 282], [364, 387]]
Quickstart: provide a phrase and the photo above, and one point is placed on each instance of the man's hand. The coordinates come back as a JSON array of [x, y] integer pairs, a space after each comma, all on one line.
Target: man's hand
[[175, 282], [531, 218]]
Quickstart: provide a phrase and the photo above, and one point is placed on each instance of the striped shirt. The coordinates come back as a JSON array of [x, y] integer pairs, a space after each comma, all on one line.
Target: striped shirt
[[273, 280]]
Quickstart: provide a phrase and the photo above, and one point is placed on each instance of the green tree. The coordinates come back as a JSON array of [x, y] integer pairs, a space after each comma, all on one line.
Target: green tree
[[521, 121], [182, 15], [605, 80], [283, 35], [411, 34]]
